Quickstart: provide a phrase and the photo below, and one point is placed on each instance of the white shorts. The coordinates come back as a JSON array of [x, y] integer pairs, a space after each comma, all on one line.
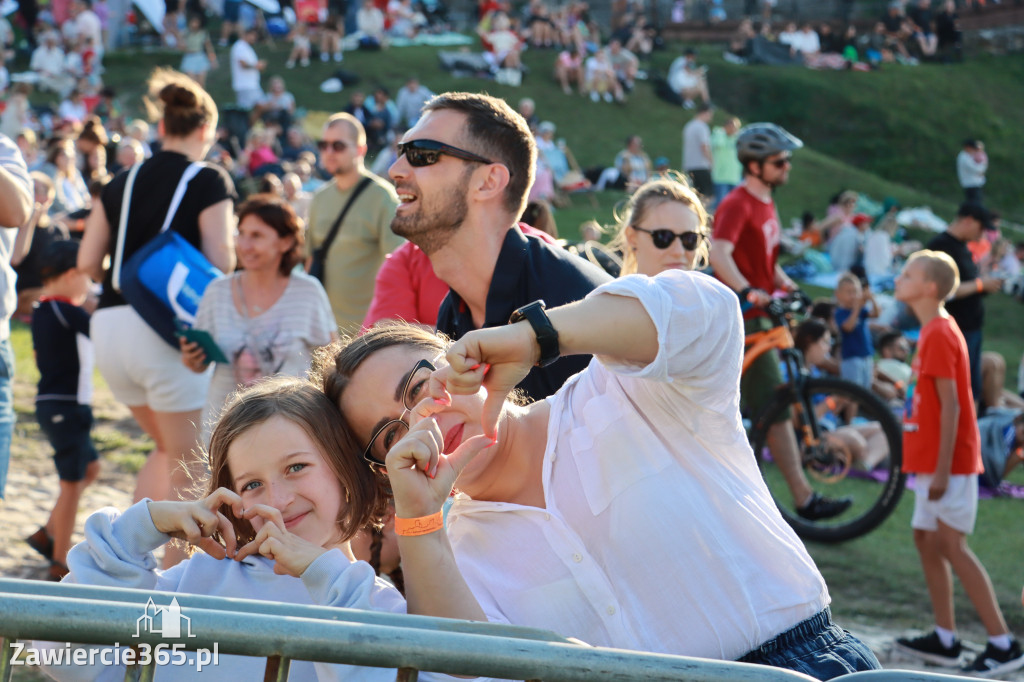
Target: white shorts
[[958, 508], [139, 366]]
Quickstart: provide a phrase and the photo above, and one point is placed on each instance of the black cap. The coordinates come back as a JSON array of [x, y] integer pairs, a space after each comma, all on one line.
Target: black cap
[[58, 257], [971, 209]]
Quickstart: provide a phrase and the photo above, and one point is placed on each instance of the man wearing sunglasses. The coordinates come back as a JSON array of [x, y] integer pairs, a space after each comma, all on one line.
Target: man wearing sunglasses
[[462, 175], [744, 255], [363, 238]]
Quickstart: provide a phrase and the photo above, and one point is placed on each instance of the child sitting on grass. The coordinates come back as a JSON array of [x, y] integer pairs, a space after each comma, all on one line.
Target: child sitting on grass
[[60, 336], [941, 445], [856, 305]]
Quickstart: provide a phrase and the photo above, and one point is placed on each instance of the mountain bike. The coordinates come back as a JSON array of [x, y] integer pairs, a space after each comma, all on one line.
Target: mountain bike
[[850, 442]]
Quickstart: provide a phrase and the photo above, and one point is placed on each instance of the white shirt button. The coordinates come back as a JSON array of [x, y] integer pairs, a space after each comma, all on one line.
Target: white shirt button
[[547, 517], [577, 557], [611, 610]]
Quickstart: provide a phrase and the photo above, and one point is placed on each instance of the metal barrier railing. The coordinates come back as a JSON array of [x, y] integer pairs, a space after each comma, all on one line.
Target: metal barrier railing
[[279, 632]]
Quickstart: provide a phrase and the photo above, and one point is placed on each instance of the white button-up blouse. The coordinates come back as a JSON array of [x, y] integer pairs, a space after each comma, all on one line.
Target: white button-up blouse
[[658, 533]]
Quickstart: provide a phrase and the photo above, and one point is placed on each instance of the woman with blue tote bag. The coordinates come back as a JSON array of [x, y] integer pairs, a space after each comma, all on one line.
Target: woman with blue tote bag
[[143, 371]]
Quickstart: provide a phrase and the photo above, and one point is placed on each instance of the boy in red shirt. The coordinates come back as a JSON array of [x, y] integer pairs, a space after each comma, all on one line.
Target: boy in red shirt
[[942, 446]]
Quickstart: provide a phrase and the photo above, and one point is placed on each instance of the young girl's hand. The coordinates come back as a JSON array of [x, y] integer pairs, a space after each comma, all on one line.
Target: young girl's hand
[[292, 555], [196, 522]]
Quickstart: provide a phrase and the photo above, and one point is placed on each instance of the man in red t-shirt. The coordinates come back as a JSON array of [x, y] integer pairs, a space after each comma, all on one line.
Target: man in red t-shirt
[[745, 256], [941, 445]]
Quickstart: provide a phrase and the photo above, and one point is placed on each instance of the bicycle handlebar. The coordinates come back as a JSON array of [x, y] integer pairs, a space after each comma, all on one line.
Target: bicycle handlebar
[[781, 307]]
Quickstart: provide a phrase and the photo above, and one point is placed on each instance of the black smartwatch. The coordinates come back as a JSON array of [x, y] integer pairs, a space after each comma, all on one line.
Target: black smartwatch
[[547, 337]]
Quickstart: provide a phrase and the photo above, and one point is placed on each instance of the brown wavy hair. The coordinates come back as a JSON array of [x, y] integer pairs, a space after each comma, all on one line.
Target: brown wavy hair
[[302, 403]]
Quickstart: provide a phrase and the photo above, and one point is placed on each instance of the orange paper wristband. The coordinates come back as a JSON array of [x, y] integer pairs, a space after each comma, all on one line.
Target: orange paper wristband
[[419, 526], [980, 285]]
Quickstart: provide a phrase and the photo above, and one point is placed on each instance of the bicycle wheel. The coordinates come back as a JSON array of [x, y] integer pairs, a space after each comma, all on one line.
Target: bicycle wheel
[[859, 455]]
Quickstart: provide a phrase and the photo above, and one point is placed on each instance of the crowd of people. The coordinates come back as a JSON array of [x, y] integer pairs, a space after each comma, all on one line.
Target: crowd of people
[[329, 420], [910, 31]]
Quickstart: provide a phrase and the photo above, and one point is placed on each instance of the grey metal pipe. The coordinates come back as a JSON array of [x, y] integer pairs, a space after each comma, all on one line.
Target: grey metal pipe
[[138, 597]]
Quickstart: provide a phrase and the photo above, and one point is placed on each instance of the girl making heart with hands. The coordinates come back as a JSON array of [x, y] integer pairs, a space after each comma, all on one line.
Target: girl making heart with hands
[[284, 498]]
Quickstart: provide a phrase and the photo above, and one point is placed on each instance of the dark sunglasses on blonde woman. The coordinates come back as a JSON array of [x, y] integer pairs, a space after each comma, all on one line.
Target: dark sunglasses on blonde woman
[[663, 238]]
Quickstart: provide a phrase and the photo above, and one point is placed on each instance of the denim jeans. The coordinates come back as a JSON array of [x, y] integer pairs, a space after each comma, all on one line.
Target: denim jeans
[[815, 647], [6, 409]]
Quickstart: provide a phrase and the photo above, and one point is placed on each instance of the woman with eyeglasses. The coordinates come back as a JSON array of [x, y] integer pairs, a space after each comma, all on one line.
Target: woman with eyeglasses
[[663, 227], [626, 510]]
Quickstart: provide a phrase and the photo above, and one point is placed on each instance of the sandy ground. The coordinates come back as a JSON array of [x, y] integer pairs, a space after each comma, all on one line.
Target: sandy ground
[[32, 483]]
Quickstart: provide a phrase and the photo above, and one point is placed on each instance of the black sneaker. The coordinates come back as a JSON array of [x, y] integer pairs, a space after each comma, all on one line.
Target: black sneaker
[[995, 661], [929, 648], [819, 507]]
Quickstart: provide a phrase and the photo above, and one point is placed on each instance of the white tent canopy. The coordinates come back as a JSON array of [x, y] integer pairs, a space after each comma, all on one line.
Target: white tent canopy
[[154, 10]]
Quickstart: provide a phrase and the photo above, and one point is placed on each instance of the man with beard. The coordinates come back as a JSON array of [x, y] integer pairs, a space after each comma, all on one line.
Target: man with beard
[[363, 238], [462, 176], [744, 255]]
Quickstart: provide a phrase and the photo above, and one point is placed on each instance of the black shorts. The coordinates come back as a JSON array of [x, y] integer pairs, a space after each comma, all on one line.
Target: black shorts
[[67, 426], [701, 181]]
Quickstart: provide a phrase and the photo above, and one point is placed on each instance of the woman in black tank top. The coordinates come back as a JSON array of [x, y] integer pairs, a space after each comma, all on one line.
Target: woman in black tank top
[[142, 371]]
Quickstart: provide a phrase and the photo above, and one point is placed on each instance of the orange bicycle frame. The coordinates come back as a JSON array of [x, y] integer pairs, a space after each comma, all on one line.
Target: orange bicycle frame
[[759, 343]]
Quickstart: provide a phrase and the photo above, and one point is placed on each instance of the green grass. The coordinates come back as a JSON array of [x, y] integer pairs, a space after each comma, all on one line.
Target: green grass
[[904, 124], [877, 578]]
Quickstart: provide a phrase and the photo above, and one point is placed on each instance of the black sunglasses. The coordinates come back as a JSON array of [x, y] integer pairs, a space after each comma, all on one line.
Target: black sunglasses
[[421, 153], [780, 163], [337, 145], [663, 238]]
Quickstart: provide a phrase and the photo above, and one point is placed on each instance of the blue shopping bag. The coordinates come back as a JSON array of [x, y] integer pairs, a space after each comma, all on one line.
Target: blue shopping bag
[[165, 279]]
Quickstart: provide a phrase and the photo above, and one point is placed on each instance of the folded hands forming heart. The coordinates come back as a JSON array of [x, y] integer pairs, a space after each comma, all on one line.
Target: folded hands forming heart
[[203, 524]]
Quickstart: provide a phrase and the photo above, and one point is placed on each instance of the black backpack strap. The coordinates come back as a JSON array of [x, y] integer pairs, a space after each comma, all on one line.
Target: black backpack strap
[[321, 252]]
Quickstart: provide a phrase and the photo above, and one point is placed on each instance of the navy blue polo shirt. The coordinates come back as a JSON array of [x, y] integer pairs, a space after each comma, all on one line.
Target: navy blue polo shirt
[[60, 337], [528, 269]]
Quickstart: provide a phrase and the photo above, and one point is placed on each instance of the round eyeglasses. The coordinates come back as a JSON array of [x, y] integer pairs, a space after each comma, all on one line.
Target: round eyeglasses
[[392, 431]]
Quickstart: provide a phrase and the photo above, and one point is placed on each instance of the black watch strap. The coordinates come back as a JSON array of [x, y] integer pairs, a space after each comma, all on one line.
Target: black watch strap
[[547, 337]]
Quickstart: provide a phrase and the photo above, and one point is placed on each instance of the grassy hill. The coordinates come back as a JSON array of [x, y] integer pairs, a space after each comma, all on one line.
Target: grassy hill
[[904, 124], [894, 132], [890, 133]]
